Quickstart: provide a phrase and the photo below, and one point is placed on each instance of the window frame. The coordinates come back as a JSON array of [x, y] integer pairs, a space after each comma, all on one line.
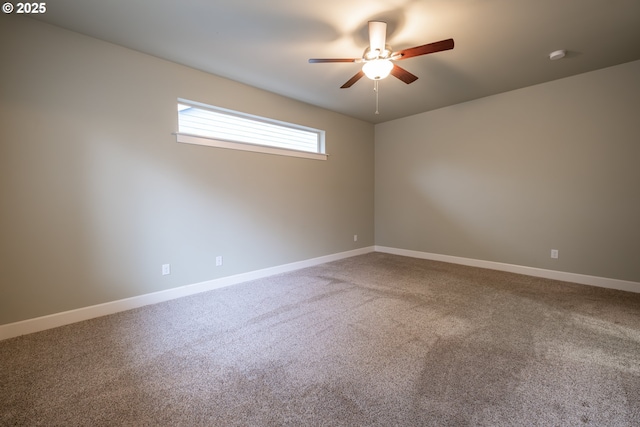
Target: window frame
[[189, 138]]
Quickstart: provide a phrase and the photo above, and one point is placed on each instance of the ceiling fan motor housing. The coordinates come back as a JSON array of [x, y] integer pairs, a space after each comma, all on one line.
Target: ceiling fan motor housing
[[370, 55]]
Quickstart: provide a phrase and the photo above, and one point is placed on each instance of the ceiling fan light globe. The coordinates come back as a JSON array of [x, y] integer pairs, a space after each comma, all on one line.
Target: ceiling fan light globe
[[377, 69]]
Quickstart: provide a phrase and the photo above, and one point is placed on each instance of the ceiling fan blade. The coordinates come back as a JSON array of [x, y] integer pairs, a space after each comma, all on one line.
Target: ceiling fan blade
[[352, 80], [425, 49], [377, 36], [321, 60], [403, 74]]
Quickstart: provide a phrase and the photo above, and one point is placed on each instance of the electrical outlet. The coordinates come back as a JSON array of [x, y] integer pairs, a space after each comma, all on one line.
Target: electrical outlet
[[554, 253], [166, 269], [355, 237], [218, 260]]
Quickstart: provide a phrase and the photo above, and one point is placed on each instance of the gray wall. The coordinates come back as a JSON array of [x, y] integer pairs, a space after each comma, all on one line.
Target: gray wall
[[96, 193], [509, 177]]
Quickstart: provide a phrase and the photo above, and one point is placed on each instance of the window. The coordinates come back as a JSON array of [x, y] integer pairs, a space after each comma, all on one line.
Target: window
[[218, 127]]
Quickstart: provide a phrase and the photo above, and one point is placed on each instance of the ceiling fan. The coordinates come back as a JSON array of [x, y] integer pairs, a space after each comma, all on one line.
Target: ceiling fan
[[378, 57]]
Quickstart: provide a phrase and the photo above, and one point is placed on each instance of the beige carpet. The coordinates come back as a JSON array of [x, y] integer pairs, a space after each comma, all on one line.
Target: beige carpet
[[374, 340]]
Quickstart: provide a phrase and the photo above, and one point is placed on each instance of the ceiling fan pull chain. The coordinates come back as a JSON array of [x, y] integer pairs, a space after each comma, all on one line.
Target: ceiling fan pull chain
[[375, 89]]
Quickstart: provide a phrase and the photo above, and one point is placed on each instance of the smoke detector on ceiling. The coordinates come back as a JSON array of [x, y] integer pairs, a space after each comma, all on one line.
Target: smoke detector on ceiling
[[557, 54]]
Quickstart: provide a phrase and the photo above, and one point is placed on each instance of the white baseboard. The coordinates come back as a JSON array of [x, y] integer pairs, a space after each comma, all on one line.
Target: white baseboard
[[37, 324], [603, 282]]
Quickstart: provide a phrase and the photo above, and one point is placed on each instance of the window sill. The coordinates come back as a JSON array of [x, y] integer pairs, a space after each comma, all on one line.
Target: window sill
[[199, 140]]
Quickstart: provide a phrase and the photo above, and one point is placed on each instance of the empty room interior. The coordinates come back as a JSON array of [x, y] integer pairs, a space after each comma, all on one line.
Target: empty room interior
[[460, 245]]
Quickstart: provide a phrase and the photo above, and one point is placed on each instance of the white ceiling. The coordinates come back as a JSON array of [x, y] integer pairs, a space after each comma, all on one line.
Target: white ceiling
[[500, 45]]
